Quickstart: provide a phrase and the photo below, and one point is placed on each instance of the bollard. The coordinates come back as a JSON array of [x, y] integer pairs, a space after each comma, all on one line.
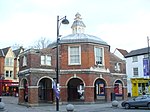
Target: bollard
[[2, 106], [70, 108], [115, 103]]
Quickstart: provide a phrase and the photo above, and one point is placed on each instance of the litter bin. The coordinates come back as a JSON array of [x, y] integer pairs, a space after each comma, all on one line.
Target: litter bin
[[113, 96], [129, 94]]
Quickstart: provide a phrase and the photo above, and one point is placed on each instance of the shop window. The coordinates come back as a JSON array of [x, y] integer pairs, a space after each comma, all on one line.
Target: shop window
[[100, 89], [118, 89], [139, 84]]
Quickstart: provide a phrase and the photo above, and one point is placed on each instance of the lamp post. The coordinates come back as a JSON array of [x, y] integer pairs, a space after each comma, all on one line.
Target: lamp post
[[62, 20]]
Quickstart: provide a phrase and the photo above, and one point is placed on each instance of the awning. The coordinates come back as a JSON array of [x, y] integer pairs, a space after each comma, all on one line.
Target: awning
[[12, 84]]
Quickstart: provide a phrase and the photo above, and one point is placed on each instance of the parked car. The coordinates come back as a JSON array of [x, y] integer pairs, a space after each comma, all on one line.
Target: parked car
[[140, 101]]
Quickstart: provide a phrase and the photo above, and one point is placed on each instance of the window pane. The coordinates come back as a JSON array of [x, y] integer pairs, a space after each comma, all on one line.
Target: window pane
[[11, 73], [48, 61], [98, 55], [42, 60], [74, 59], [135, 59], [135, 71], [7, 61], [75, 55], [45, 60], [24, 61], [11, 61], [7, 73]]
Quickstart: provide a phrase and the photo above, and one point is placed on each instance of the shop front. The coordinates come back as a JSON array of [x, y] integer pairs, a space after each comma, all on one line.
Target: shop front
[[140, 86], [8, 88]]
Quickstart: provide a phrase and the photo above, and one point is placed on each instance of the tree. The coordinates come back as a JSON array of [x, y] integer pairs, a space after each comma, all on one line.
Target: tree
[[16, 46], [41, 43]]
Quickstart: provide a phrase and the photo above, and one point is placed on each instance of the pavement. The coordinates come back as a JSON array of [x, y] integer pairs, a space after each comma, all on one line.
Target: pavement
[[11, 105]]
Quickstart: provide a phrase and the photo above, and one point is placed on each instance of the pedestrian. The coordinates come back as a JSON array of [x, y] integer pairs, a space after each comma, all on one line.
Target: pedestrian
[[26, 98]]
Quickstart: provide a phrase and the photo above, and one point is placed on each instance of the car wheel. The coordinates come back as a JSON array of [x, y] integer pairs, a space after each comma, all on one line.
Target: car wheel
[[127, 106], [148, 105]]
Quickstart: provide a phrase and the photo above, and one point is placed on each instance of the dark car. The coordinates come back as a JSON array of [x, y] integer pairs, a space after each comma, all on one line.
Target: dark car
[[140, 101]]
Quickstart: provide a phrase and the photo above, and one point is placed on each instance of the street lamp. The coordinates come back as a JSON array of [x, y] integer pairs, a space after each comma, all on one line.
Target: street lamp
[[62, 20]]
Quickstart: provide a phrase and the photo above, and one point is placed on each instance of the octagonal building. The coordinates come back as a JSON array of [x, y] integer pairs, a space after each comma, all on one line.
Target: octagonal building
[[84, 74]]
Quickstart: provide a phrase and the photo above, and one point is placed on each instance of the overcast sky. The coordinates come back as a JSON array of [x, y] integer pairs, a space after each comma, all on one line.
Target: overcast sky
[[122, 24]]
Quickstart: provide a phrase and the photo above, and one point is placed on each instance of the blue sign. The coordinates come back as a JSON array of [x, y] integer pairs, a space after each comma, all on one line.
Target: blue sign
[[146, 66]]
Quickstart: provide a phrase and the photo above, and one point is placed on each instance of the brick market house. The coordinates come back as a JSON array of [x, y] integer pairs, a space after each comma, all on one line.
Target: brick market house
[[85, 74]]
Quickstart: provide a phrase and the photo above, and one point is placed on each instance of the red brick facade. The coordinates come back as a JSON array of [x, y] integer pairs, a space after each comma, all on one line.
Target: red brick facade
[[88, 73], [85, 69]]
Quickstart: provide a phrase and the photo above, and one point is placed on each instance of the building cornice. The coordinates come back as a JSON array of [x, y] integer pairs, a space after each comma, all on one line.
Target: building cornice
[[36, 70]]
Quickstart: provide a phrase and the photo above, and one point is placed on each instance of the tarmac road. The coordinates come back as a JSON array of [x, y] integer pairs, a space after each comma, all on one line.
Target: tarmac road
[[11, 105]]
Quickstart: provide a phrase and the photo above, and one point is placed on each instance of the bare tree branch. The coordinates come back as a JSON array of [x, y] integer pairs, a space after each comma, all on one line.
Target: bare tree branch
[[41, 43]]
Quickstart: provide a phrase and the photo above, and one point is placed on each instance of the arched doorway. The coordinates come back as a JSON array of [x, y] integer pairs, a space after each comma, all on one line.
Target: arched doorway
[[45, 91], [75, 90], [118, 89], [99, 90]]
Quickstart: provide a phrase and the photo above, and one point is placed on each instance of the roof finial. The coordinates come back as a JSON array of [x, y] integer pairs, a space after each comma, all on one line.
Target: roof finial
[[78, 16], [78, 25]]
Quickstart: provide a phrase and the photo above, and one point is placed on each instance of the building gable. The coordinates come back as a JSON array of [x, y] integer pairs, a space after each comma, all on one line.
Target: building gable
[[10, 53], [120, 53]]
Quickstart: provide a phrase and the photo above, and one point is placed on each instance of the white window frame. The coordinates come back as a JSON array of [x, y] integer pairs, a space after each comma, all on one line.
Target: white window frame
[[145, 55], [46, 60], [8, 73], [135, 73], [24, 61], [102, 60], [134, 59], [69, 55], [9, 61]]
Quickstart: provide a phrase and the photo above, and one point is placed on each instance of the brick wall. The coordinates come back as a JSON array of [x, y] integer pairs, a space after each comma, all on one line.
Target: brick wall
[[87, 59], [2, 62]]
